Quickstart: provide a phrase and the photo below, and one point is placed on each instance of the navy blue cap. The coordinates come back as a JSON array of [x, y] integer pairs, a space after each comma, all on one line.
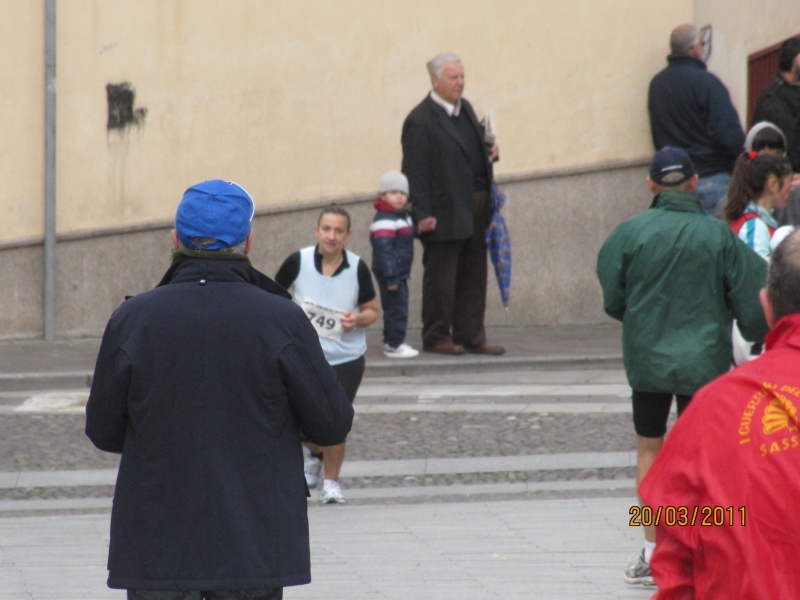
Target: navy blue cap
[[670, 167], [216, 209]]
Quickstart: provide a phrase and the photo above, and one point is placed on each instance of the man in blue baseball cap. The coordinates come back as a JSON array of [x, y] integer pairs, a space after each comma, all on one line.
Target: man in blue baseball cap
[[675, 279], [206, 386], [214, 210]]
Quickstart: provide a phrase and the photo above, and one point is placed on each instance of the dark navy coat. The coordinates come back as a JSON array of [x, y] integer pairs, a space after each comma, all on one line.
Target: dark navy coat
[[392, 238], [204, 385], [691, 109]]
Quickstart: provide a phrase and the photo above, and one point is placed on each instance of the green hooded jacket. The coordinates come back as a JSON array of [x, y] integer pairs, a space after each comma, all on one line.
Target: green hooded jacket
[[676, 279]]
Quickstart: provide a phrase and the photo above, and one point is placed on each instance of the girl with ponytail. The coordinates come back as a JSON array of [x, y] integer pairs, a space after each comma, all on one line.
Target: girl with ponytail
[[761, 182]]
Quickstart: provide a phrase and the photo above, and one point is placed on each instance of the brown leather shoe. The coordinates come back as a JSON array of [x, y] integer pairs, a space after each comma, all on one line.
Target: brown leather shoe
[[446, 348], [487, 349]]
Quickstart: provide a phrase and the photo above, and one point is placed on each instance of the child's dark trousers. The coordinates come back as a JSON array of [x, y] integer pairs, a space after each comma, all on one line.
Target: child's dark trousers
[[395, 313]]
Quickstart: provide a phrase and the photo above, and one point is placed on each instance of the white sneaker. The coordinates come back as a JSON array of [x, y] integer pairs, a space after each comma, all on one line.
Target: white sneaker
[[331, 492], [402, 351], [312, 467], [638, 572]]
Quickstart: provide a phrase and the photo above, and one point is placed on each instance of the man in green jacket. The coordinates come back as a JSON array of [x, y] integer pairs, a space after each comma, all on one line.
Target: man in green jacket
[[676, 279]]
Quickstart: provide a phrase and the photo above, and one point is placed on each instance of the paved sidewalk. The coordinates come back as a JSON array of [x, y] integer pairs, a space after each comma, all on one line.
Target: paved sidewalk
[[559, 549], [364, 468], [38, 365]]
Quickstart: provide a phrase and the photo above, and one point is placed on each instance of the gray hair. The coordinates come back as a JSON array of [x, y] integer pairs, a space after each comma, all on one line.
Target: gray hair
[[205, 242], [436, 64], [783, 282], [683, 38]]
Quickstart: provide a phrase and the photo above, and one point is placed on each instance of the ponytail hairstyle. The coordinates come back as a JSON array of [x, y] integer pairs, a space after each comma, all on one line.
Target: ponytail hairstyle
[[750, 176], [335, 209]]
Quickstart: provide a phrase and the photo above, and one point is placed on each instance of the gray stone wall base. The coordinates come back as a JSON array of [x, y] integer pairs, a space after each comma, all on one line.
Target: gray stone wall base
[[557, 223]]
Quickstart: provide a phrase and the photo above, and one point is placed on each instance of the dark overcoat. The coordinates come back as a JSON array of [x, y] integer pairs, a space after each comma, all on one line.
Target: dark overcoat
[[440, 178], [204, 385], [779, 103]]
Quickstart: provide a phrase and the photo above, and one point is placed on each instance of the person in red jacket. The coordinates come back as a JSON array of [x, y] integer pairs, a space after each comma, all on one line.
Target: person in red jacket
[[724, 490]]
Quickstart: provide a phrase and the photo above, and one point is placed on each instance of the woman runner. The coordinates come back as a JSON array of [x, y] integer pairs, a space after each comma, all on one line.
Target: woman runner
[[334, 288]]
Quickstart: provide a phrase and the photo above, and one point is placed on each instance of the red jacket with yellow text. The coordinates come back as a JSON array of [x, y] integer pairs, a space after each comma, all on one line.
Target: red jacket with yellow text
[[736, 447]]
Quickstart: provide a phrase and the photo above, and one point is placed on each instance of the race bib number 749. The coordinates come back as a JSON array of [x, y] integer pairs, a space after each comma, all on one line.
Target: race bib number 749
[[325, 320]]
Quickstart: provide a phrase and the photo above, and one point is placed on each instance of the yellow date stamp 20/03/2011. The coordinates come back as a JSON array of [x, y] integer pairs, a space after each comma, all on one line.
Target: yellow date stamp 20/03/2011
[[705, 516]]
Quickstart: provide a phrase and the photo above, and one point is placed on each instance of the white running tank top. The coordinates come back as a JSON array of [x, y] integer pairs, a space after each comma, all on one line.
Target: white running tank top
[[339, 292]]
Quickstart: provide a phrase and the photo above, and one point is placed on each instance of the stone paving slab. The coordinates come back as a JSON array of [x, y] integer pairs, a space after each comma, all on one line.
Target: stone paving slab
[[424, 493], [433, 391], [35, 364], [451, 406], [560, 549], [479, 489], [365, 468], [519, 404], [484, 464]]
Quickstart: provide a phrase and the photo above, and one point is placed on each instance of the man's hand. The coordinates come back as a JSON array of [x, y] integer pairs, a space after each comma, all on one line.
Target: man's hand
[[427, 224], [796, 181], [494, 151], [392, 288], [348, 320]]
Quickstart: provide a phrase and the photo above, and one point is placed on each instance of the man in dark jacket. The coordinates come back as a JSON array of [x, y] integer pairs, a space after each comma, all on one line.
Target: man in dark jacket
[[675, 279], [206, 385], [450, 174], [691, 109], [779, 103]]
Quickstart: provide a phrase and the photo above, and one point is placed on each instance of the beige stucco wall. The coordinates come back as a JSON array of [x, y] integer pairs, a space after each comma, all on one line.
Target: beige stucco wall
[[22, 119], [300, 100], [741, 27], [557, 225]]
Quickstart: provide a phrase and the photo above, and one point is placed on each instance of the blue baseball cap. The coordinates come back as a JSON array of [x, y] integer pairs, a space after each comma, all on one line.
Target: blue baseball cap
[[216, 209], [670, 167]]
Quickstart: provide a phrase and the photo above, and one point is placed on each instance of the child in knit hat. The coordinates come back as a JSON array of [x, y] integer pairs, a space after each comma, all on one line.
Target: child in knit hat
[[392, 238]]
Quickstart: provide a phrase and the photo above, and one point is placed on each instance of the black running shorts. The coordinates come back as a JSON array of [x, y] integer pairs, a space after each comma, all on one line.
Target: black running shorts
[[651, 411], [350, 374]]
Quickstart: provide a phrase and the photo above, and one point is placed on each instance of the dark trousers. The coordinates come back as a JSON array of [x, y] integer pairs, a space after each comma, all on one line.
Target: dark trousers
[[273, 594], [454, 285], [395, 313]]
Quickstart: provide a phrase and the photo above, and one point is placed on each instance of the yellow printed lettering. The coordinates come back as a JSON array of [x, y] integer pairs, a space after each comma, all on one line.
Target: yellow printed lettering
[[774, 448], [744, 441], [795, 441], [744, 430], [785, 443], [763, 449]]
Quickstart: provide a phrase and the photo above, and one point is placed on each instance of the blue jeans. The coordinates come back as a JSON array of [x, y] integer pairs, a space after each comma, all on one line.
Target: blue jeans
[[395, 313], [273, 594], [712, 191]]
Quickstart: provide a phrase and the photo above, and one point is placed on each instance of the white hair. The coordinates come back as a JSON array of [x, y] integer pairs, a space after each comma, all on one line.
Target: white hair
[[436, 64]]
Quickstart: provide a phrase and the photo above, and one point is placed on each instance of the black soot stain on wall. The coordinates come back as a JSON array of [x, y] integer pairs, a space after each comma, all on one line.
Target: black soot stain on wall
[[121, 113]]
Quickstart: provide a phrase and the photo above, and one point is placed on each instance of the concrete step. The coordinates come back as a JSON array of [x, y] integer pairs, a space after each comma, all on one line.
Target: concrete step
[[14, 382]]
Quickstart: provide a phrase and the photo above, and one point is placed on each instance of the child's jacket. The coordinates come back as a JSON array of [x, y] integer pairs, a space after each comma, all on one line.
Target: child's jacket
[[392, 238]]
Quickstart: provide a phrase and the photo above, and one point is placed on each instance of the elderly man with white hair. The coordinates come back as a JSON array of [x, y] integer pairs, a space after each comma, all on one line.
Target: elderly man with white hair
[[691, 109], [449, 170]]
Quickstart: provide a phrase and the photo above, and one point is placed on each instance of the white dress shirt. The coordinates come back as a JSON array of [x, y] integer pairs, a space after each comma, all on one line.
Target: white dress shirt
[[451, 109]]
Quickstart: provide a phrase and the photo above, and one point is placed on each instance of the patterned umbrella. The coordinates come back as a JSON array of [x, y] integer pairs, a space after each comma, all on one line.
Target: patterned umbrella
[[499, 243]]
